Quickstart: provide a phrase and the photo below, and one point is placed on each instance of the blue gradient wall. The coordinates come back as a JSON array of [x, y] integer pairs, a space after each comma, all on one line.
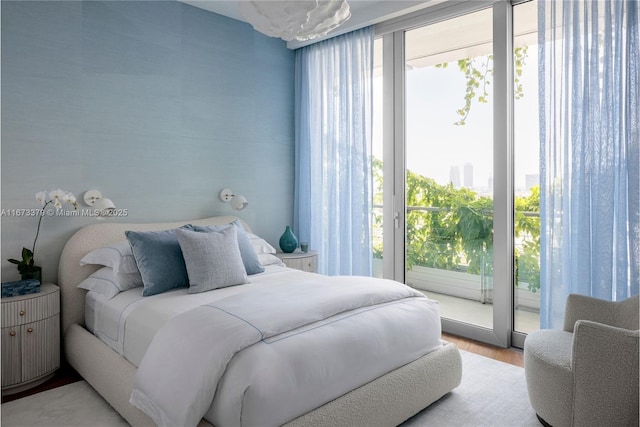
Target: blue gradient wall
[[158, 105]]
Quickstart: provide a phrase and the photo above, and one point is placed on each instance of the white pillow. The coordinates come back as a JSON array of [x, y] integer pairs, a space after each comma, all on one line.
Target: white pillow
[[118, 256], [260, 245], [269, 259], [109, 284]]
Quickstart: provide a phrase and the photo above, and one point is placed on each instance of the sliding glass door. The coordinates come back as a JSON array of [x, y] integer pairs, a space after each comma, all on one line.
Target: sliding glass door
[[526, 169], [449, 165], [444, 137]]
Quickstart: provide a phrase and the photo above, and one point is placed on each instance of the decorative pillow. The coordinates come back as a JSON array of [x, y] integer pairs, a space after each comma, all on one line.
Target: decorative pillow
[[159, 259], [118, 256], [109, 284], [260, 245], [249, 257], [213, 259]]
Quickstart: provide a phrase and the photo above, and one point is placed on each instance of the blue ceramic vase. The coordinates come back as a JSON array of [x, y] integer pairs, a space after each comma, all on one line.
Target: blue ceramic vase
[[288, 241]]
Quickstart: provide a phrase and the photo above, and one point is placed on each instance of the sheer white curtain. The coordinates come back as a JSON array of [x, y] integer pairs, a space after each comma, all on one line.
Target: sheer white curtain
[[589, 156], [333, 184]]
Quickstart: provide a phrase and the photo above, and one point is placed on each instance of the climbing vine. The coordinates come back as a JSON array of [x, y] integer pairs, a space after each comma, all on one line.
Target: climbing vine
[[477, 71]]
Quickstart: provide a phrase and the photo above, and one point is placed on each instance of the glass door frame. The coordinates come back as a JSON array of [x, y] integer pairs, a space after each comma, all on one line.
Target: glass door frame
[[394, 226]]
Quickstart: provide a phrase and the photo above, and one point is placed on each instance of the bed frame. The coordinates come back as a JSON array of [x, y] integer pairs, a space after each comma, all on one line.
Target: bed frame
[[386, 401]]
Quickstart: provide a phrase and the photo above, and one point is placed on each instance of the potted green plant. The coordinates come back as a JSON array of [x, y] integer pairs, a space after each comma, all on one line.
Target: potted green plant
[[26, 266]]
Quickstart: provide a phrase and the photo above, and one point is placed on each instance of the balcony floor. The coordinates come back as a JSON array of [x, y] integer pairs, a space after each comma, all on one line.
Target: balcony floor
[[476, 313]]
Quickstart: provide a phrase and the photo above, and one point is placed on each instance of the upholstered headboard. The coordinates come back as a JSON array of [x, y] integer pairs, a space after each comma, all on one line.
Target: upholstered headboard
[[90, 237]]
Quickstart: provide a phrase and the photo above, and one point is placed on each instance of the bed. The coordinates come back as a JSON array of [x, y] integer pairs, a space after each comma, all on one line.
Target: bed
[[384, 400]]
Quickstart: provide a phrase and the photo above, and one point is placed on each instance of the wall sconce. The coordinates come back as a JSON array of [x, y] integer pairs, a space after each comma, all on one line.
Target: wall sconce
[[238, 202], [104, 206]]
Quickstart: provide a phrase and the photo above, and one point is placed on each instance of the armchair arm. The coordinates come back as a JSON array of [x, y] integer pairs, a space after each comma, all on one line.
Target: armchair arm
[[582, 307], [605, 375]]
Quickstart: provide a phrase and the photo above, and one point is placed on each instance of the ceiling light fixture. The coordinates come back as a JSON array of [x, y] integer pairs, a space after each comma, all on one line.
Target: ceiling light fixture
[[295, 19]]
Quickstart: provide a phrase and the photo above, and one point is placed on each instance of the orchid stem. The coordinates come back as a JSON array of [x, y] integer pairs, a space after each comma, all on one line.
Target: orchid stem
[[33, 250]]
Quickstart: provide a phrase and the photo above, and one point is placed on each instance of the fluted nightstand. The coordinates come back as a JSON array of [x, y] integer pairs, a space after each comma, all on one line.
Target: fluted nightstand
[[30, 338], [305, 261]]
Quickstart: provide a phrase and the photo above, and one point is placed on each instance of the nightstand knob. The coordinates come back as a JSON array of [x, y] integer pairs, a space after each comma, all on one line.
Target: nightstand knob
[[29, 330], [21, 313], [12, 333]]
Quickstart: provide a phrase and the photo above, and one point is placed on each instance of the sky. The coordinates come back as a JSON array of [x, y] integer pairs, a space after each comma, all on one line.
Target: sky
[[434, 143]]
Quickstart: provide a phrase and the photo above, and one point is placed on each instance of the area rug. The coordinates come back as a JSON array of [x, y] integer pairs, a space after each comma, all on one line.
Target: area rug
[[492, 394], [72, 405]]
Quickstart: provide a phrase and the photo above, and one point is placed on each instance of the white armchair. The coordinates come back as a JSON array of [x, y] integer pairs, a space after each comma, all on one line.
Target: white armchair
[[588, 373]]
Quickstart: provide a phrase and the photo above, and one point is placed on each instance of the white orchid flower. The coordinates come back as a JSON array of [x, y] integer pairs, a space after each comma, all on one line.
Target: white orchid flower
[[56, 195], [57, 203], [69, 198], [41, 196]]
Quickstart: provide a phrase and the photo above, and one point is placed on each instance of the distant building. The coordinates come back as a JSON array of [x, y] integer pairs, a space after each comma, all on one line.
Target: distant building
[[531, 180], [454, 176], [468, 175]]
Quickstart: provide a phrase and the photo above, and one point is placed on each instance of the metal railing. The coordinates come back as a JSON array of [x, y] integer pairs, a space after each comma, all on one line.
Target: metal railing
[[441, 209]]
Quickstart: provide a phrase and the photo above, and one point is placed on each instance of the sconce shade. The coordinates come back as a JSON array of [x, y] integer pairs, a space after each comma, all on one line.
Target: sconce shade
[[105, 207], [295, 19], [237, 202]]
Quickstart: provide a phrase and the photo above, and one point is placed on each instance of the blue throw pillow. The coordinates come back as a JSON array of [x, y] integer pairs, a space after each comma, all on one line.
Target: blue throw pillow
[[249, 257], [159, 259]]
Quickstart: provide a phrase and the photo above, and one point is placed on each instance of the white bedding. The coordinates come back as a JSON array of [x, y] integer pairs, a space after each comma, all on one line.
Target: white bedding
[[290, 383], [128, 322]]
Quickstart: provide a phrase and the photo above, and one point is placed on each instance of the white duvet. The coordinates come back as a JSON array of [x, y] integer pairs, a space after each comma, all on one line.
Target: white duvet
[[269, 354]]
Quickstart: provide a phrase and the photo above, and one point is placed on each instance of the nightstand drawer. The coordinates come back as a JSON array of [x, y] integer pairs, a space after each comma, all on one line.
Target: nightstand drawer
[[29, 308]]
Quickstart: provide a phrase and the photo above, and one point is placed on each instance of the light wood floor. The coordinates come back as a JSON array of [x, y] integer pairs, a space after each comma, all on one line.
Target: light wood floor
[[512, 356]]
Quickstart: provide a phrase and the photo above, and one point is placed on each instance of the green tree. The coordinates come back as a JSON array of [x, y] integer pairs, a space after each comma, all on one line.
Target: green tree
[[452, 228], [527, 231]]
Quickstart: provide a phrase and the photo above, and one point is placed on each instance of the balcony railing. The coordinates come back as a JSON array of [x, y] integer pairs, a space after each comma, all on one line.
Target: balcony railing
[[457, 281]]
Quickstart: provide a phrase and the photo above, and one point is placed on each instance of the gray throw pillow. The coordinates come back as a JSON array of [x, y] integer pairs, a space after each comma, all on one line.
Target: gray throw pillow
[[247, 252], [213, 259]]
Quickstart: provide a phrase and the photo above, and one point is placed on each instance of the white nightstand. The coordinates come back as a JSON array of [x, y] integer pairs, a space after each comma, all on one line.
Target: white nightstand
[[305, 261], [30, 338]]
